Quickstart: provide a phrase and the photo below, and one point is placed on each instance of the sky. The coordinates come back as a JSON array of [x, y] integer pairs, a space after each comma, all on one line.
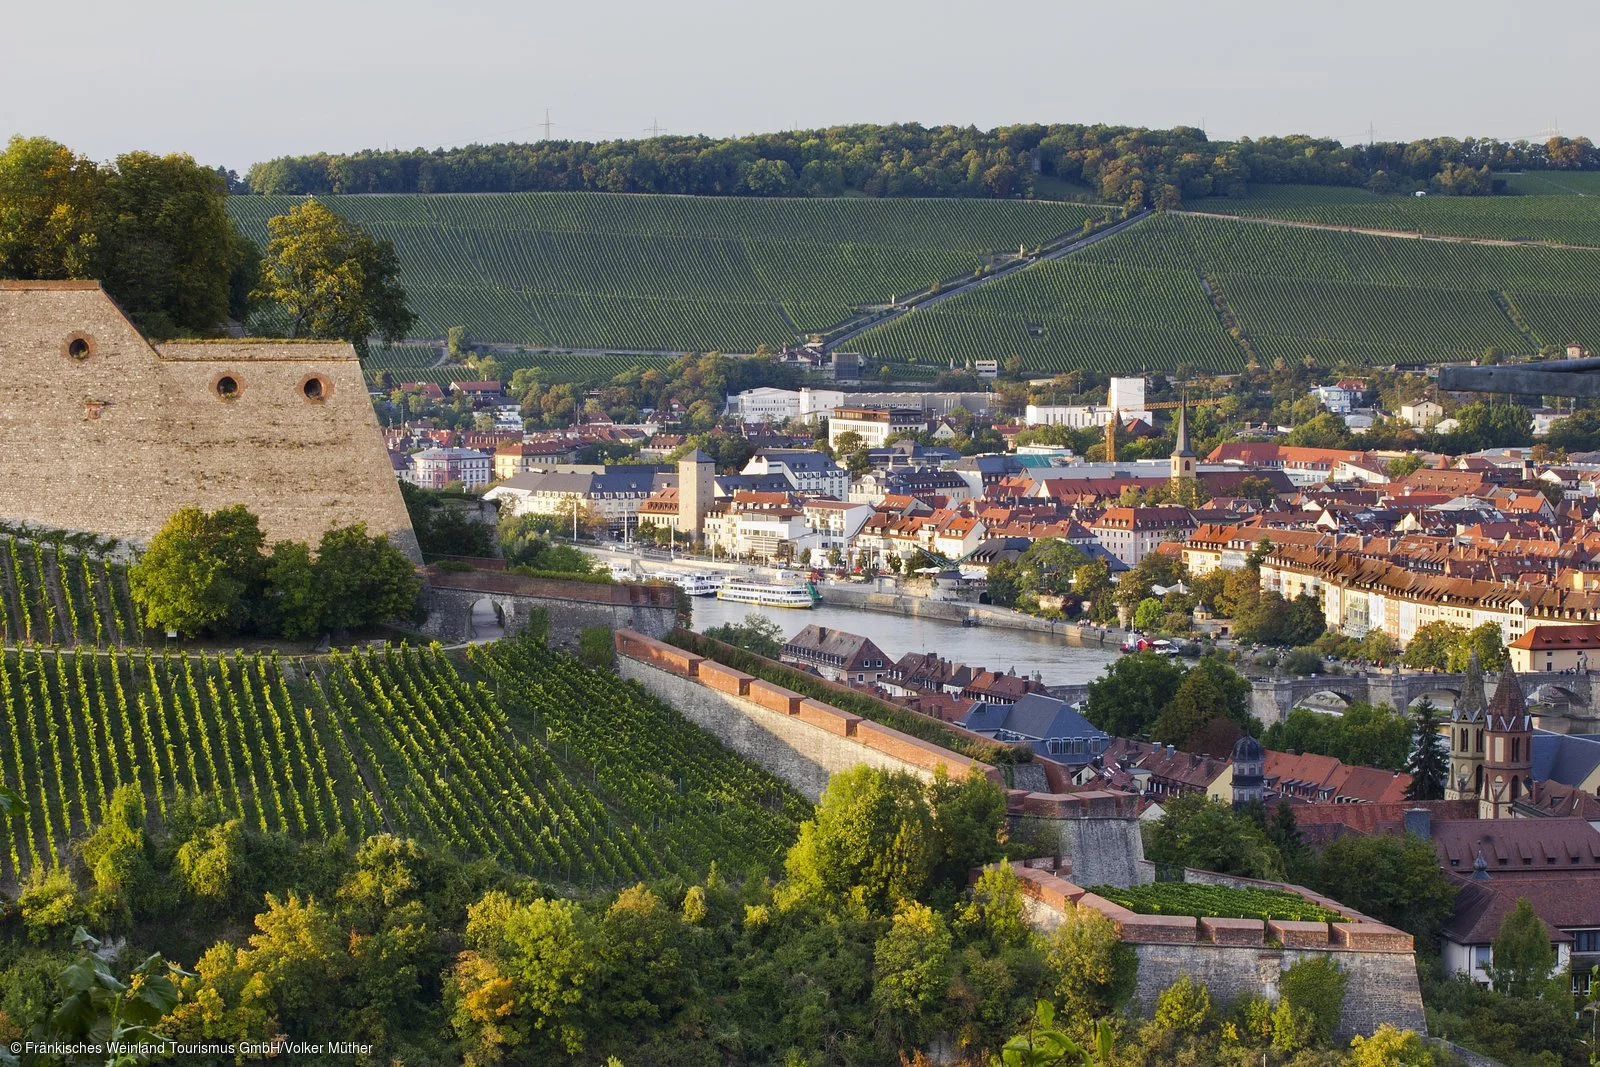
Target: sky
[[235, 83]]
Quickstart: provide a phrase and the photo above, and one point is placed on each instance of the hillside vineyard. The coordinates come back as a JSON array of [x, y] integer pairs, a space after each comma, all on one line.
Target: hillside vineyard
[[1296, 292], [667, 273], [600, 270], [553, 769]]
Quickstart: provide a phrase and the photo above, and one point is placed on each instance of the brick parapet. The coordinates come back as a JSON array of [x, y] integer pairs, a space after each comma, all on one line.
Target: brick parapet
[[912, 752]]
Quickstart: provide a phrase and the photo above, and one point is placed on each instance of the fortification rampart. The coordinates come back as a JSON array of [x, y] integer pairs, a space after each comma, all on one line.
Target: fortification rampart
[[1235, 957], [803, 741], [108, 434], [806, 741]]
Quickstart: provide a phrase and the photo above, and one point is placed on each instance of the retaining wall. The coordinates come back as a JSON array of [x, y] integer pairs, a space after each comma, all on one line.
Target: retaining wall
[[803, 741], [1234, 957]]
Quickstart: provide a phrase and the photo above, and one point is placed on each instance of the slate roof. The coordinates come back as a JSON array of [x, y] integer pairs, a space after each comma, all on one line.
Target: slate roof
[[729, 484], [1035, 719], [1564, 758]]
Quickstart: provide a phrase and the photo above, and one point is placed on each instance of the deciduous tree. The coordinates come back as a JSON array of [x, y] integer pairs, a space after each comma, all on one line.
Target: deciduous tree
[[332, 279]]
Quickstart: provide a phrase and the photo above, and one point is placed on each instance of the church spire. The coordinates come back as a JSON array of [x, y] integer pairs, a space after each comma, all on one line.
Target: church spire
[[1183, 471]]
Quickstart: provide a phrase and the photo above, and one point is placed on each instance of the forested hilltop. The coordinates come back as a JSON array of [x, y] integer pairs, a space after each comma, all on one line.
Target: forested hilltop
[[1123, 164]]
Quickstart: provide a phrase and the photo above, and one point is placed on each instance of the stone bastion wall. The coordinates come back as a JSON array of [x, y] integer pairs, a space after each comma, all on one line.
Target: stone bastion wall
[[109, 434], [806, 741], [1233, 957]]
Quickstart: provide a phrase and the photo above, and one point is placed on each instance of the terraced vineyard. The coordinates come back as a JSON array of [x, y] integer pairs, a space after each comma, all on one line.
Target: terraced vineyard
[[595, 270], [1296, 292], [1217, 901], [50, 596], [1551, 216], [392, 740], [1069, 313]]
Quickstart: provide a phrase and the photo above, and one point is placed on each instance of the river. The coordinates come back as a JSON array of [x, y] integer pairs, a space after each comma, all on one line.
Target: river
[[1056, 662]]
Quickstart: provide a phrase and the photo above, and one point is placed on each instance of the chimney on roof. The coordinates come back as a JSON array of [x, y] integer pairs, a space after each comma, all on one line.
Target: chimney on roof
[[1419, 821]]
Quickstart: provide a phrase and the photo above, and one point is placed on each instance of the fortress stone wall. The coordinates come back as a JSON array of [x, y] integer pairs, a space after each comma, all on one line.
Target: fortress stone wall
[[1235, 957], [106, 433]]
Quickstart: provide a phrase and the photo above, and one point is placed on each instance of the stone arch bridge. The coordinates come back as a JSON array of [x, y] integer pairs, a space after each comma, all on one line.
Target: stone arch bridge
[[569, 607], [1272, 698]]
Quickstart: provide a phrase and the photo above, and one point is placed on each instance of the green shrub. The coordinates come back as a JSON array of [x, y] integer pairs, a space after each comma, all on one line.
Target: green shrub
[[1316, 988], [1184, 1007], [50, 905], [596, 647]]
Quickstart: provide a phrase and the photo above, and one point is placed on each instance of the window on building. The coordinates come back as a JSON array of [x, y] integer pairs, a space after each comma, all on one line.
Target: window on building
[[1585, 940]]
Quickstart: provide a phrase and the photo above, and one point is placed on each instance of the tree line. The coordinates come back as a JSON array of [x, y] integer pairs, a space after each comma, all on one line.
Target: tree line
[[155, 231], [1123, 164], [872, 948]]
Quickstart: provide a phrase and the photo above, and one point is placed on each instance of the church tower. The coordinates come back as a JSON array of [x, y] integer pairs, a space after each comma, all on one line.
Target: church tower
[[1183, 461], [1465, 780], [1508, 740], [696, 490]]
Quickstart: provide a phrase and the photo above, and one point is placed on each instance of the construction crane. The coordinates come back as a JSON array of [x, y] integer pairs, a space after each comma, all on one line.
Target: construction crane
[[1166, 405], [1115, 422]]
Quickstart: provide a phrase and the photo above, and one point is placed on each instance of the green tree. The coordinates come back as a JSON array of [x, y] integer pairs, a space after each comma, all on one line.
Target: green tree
[[912, 968], [1004, 583], [171, 250], [969, 830], [293, 602], [1326, 430], [1148, 615], [758, 634], [362, 579], [524, 980], [1524, 958], [49, 201], [332, 279], [869, 846], [117, 854], [200, 571], [640, 971], [1429, 764], [1485, 640], [1313, 990], [1209, 690], [1390, 1046], [1401, 466], [1430, 647], [1396, 880], [1128, 697], [1089, 969], [1377, 647], [1184, 1007], [1196, 831]]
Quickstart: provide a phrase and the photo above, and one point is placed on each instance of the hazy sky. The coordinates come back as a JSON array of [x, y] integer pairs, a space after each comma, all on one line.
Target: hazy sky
[[234, 83]]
